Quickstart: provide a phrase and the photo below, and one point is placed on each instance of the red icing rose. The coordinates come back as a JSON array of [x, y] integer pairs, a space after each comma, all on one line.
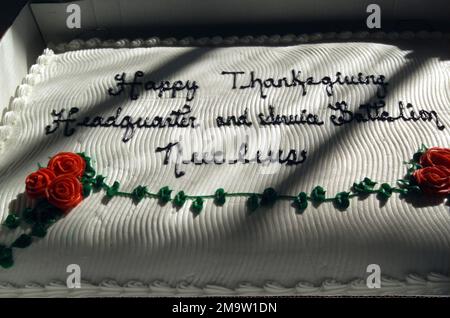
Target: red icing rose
[[433, 180], [65, 192], [67, 163], [436, 156], [36, 183]]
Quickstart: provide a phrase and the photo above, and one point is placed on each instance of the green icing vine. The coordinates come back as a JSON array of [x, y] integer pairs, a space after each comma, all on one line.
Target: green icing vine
[[38, 219], [35, 221], [269, 195]]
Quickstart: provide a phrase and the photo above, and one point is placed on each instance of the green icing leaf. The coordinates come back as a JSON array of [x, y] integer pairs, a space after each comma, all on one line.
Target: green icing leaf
[[85, 179], [87, 188], [50, 216], [113, 190], [341, 200], [197, 205], [7, 262], [385, 191], [413, 167], [12, 221], [364, 187], [6, 258], [369, 183], [253, 202], [409, 186], [318, 194], [413, 189], [164, 194], [179, 199], [83, 155], [416, 156], [43, 213], [5, 252], [22, 241], [269, 196], [89, 171], [422, 149], [359, 188], [28, 215], [139, 193], [219, 197], [404, 182], [301, 202], [98, 182], [39, 230]]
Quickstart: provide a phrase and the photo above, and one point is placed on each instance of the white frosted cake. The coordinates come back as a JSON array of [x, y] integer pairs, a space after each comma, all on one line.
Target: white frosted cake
[[275, 166]]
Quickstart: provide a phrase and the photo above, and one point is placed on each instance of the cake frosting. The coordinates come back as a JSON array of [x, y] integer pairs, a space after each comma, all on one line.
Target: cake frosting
[[185, 91]]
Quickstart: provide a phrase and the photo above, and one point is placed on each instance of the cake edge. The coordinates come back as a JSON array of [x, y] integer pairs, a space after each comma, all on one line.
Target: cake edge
[[288, 39], [19, 101], [432, 284]]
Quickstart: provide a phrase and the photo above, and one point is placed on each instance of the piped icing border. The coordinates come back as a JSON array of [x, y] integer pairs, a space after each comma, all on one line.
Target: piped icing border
[[69, 178], [431, 284], [288, 39], [20, 101]]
